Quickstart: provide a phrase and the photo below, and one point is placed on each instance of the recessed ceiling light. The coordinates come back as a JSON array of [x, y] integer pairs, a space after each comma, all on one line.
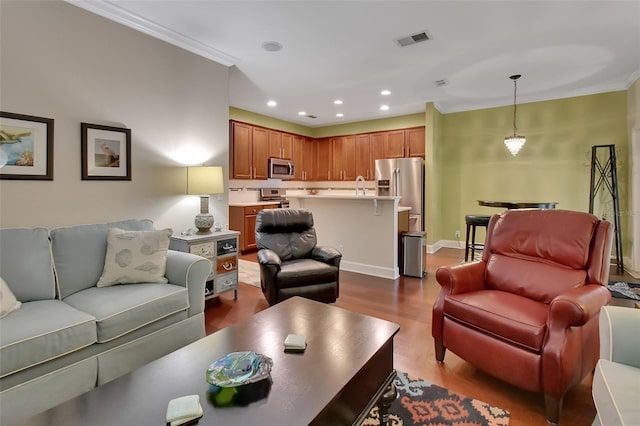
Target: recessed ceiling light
[[302, 113], [337, 102], [385, 92], [384, 107], [272, 103], [339, 114], [271, 46]]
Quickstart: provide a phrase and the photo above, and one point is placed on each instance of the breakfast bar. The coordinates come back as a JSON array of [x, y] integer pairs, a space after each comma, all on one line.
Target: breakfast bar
[[363, 228]]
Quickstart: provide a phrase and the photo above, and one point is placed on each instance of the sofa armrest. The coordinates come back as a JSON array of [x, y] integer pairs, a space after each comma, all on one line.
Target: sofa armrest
[[619, 335], [461, 278], [576, 307], [327, 255], [191, 271], [269, 257]]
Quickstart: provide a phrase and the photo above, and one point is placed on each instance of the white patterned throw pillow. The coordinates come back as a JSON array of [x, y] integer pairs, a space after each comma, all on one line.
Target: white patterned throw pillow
[[8, 302], [135, 257]]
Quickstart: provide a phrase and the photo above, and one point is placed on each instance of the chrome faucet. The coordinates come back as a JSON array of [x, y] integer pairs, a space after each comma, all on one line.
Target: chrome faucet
[[361, 179]]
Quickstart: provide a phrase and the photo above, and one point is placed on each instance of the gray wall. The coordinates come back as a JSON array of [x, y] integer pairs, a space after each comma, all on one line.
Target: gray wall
[[62, 62]]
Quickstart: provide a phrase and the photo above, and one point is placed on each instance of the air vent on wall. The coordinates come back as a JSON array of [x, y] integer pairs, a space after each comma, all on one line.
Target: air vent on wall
[[441, 83], [413, 39]]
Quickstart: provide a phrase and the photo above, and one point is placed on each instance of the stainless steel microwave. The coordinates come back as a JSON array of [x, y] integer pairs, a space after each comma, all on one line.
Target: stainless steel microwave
[[281, 169]]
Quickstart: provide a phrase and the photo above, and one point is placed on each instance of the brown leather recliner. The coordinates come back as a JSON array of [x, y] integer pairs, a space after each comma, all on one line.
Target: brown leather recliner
[[290, 262], [527, 313]]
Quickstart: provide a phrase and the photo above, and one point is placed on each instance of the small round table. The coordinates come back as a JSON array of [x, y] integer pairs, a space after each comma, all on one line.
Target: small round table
[[519, 204]]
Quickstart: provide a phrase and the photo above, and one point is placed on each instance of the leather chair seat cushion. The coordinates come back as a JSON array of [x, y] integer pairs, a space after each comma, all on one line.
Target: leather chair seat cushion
[[507, 316], [299, 272]]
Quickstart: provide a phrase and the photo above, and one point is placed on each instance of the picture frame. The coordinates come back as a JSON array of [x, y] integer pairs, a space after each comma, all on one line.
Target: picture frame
[[26, 147], [106, 152]]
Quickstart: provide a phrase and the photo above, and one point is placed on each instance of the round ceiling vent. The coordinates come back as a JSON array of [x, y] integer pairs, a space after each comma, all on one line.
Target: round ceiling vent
[[271, 46]]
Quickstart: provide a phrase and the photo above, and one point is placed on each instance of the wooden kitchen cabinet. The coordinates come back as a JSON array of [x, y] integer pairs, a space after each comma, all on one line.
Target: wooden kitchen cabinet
[[343, 162], [323, 160], [304, 158], [394, 144], [415, 142], [243, 219], [280, 145], [249, 151], [364, 165]]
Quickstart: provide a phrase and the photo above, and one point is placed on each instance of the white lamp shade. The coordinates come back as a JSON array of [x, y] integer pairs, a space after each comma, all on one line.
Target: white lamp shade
[[204, 180]]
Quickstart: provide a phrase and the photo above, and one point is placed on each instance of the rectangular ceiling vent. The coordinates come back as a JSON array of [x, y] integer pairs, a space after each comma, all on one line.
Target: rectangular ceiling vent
[[441, 83], [413, 39], [312, 116]]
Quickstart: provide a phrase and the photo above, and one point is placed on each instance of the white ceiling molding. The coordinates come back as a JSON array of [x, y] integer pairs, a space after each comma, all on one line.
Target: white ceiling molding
[[110, 10]]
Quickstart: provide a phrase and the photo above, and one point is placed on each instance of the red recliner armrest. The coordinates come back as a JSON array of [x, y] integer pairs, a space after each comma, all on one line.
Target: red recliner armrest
[[576, 307]]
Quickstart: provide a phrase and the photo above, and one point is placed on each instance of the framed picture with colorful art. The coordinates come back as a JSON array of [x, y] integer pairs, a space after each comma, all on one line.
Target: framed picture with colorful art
[[106, 152], [26, 147]]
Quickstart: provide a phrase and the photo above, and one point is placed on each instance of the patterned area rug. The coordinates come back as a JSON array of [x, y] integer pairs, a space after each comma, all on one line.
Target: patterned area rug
[[624, 290], [420, 403], [249, 272]]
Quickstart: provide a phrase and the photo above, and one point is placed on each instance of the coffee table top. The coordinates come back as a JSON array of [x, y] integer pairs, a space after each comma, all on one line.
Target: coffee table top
[[339, 344]]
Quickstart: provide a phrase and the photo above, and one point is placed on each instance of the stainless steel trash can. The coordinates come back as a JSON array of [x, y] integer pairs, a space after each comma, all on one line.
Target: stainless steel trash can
[[413, 248]]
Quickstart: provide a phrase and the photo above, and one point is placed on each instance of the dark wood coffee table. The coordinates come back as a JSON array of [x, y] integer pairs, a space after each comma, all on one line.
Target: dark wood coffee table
[[346, 368]]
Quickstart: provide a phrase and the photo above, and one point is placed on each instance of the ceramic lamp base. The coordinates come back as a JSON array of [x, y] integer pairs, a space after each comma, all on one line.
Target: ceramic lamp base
[[204, 223]]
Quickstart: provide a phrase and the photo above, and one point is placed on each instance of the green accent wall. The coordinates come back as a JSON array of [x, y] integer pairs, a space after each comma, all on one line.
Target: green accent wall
[[382, 124], [271, 123], [553, 165]]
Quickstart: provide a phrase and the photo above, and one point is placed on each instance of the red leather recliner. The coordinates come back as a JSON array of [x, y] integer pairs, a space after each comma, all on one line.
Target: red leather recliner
[[527, 313]]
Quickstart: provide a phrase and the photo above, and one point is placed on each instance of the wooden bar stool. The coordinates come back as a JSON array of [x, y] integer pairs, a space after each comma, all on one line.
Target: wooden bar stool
[[473, 221]]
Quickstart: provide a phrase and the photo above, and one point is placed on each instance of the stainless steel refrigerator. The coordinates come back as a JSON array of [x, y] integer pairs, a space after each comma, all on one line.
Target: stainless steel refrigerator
[[404, 177]]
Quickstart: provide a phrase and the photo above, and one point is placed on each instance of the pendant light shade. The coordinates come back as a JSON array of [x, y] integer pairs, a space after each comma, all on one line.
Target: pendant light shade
[[514, 142]]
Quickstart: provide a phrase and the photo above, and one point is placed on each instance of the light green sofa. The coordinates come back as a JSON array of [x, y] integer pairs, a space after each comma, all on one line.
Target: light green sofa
[[616, 380], [70, 336]]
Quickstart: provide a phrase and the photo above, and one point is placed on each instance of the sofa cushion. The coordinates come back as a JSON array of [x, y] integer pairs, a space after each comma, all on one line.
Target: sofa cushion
[[124, 308], [40, 331], [25, 263], [79, 253], [8, 301], [615, 393], [135, 257], [517, 319]]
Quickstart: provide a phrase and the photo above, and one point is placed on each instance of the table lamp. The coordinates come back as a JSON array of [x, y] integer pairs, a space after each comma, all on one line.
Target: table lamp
[[202, 181]]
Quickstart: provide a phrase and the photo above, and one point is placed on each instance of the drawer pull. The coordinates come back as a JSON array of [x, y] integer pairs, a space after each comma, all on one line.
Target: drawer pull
[[228, 266], [227, 246]]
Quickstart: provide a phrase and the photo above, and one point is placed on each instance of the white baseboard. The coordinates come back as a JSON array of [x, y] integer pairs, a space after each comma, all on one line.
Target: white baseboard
[[363, 268], [445, 244]]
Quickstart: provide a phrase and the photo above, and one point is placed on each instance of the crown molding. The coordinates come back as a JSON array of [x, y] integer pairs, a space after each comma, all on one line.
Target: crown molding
[[113, 12]]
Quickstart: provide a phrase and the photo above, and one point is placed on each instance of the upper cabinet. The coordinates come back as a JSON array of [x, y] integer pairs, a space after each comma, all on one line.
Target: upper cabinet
[[304, 157], [415, 143], [324, 159], [280, 145]]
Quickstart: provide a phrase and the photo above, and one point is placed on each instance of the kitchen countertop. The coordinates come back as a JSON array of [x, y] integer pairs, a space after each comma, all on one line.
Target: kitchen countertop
[[253, 203], [344, 197]]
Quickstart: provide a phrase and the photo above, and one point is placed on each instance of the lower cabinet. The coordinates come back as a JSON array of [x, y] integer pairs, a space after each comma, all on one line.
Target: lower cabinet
[[221, 248], [243, 219]]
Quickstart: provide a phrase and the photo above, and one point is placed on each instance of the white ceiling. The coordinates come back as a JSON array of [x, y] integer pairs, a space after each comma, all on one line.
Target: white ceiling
[[346, 50]]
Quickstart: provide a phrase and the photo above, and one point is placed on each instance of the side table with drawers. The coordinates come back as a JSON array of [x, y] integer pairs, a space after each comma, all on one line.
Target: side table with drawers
[[221, 248]]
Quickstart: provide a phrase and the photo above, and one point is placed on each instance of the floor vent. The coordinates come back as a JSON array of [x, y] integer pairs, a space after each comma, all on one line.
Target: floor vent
[[413, 39]]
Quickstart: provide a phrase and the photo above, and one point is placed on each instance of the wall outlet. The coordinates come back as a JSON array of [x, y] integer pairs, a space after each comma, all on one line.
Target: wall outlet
[[341, 248], [458, 235]]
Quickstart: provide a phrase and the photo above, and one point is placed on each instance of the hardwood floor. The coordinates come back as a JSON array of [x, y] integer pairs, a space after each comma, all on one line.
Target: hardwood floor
[[408, 301]]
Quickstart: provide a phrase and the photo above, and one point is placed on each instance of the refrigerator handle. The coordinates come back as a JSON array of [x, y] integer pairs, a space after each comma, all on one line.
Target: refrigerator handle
[[396, 173]]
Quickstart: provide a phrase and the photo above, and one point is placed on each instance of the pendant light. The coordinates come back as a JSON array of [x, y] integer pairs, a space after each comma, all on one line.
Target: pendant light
[[515, 142]]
